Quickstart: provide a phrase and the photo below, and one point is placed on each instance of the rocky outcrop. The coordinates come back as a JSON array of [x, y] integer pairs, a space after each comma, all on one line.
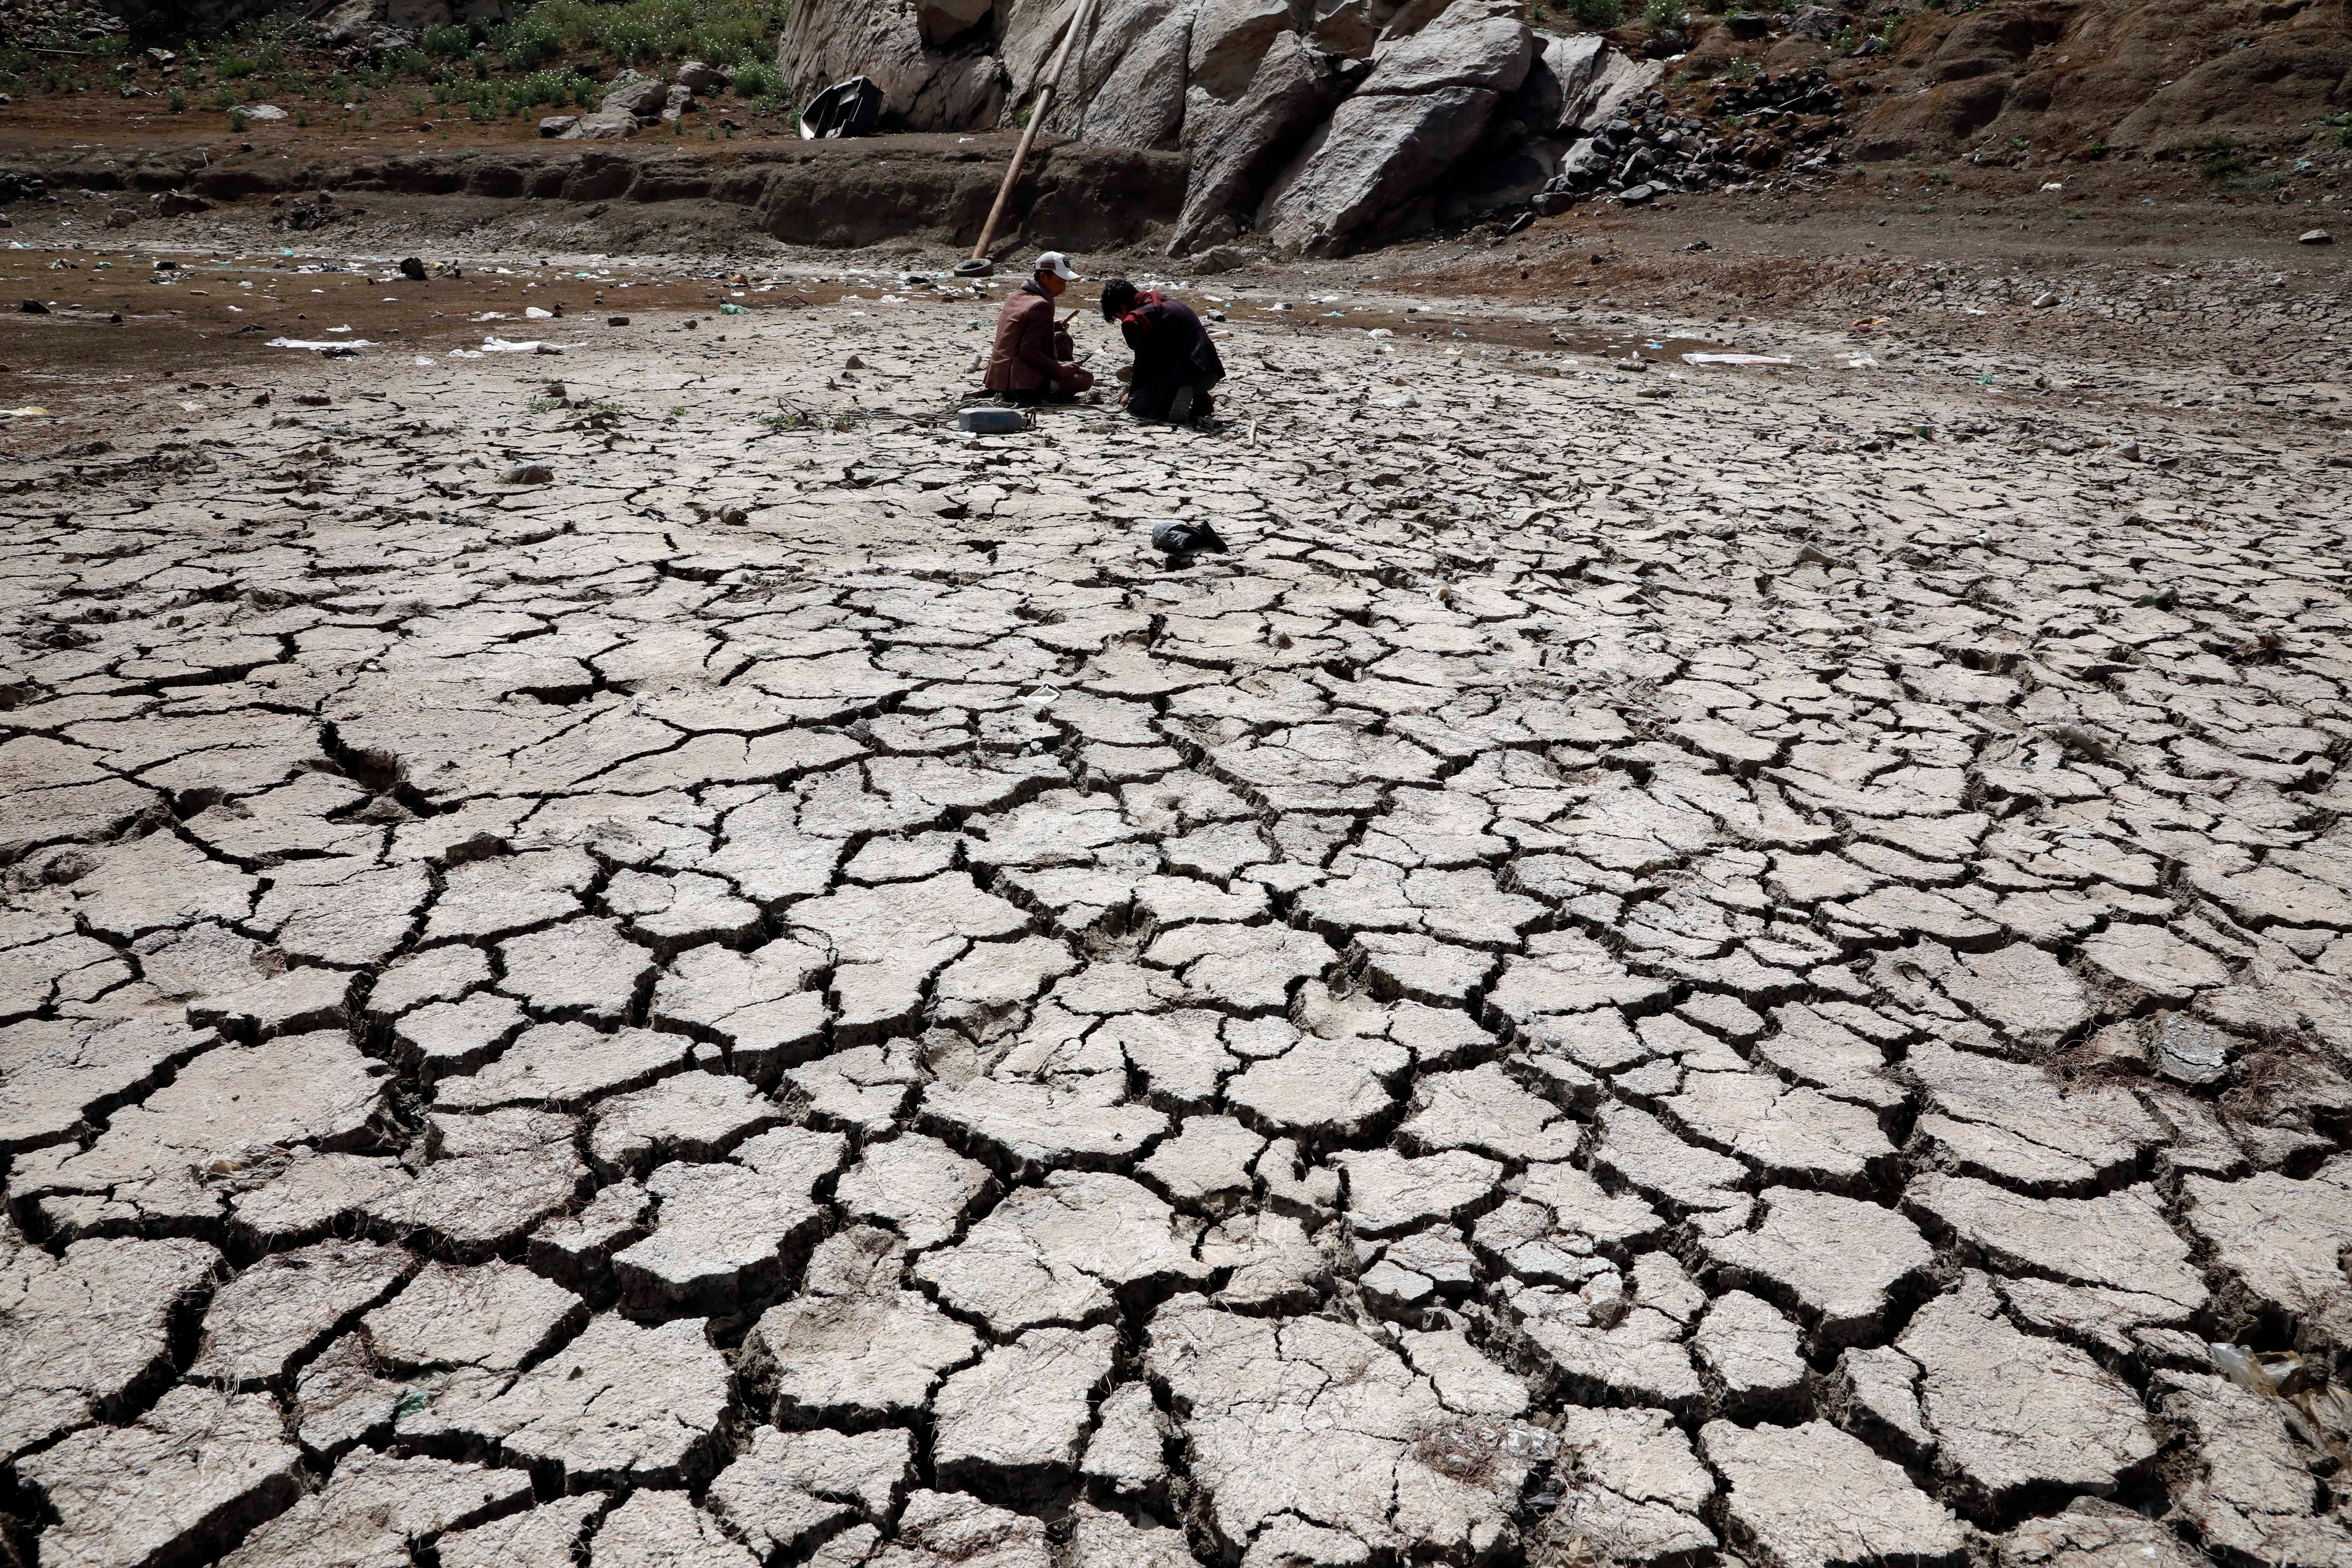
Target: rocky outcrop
[[1322, 124], [925, 85], [1427, 103]]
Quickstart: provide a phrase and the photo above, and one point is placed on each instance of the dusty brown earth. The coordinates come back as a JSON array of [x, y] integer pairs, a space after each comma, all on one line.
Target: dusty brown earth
[[644, 954]]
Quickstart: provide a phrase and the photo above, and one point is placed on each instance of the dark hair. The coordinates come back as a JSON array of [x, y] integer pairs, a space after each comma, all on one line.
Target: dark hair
[[1117, 299]]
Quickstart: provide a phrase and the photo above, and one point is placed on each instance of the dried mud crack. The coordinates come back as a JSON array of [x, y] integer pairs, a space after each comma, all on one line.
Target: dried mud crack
[[1671, 964]]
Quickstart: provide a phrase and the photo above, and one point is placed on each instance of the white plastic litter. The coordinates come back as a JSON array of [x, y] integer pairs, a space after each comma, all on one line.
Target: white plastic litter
[[1733, 359], [502, 346], [316, 345]]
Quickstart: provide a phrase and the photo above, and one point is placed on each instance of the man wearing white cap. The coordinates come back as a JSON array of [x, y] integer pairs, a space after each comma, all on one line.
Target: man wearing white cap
[[1030, 361]]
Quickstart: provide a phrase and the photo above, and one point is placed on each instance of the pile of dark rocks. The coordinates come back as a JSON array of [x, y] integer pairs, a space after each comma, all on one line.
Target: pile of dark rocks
[[1647, 151]]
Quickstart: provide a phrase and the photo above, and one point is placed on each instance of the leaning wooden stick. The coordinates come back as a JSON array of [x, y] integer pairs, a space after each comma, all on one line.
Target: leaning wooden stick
[[1037, 112]]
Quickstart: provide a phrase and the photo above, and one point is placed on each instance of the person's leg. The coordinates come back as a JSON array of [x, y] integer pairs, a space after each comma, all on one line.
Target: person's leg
[[1150, 399], [1180, 407]]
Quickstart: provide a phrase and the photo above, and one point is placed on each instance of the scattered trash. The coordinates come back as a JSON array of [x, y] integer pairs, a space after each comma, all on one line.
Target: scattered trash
[[1735, 359], [413, 268], [993, 421], [533, 313], [1698, 245], [502, 346], [2315, 237], [616, 321], [1176, 537], [726, 310], [528, 474], [34, 307], [26, 412], [316, 345]]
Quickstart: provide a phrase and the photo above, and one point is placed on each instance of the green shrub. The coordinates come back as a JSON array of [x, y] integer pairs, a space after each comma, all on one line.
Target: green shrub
[[224, 99], [236, 120], [179, 101], [1597, 14], [233, 70], [757, 78], [447, 42], [724, 32], [1663, 13]]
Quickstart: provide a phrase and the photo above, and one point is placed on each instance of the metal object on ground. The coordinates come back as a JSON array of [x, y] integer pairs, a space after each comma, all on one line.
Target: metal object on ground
[[846, 108]]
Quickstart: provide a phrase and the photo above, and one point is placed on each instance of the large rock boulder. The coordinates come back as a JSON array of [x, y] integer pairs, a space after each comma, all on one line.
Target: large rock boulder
[[1230, 37], [1124, 84], [1427, 104], [1471, 45], [924, 87], [1365, 166], [1237, 147]]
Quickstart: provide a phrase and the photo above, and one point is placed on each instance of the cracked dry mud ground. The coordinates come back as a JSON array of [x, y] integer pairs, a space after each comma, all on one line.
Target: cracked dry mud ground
[[1613, 985]]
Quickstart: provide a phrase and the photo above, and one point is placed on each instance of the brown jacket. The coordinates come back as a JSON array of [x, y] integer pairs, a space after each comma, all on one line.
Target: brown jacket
[[1032, 354]]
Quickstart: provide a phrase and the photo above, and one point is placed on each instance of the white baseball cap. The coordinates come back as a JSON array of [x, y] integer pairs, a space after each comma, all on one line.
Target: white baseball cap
[[1054, 262]]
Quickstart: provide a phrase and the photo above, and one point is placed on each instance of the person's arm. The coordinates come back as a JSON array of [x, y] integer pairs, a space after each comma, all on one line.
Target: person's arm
[[1035, 344]]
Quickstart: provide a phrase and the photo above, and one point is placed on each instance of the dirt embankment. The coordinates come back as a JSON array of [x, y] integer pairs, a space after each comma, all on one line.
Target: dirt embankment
[[832, 193], [2069, 78]]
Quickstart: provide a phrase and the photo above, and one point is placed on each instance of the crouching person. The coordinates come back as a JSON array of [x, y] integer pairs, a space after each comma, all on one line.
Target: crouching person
[[1031, 360], [1175, 363]]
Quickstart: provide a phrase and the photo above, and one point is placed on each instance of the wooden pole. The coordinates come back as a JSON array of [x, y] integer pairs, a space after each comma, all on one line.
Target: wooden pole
[[1037, 112]]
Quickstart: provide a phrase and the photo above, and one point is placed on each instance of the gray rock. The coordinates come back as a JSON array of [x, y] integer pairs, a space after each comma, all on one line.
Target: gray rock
[[1229, 38], [1467, 46], [633, 94], [1361, 167]]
